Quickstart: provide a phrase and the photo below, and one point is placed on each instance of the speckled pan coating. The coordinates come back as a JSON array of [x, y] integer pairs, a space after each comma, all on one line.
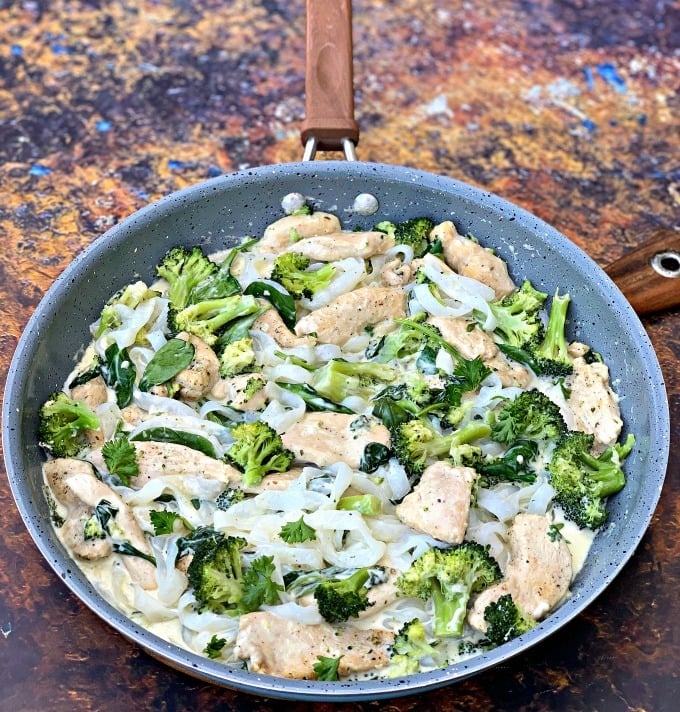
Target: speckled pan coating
[[244, 203]]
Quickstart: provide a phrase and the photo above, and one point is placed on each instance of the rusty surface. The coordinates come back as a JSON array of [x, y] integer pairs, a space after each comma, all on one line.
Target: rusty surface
[[566, 107]]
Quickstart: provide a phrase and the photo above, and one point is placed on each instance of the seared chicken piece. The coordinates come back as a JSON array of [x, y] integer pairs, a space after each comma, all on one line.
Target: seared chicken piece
[[271, 323], [349, 314], [94, 392], [326, 438], [198, 378], [283, 233], [470, 259], [133, 415], [339, 245], [277, 646], [439, 504], [538, 573], [473, 342], [276, 481], [75, 486], [469, 340], [396, 273], [593, 404], [231, 391], [157, 459]]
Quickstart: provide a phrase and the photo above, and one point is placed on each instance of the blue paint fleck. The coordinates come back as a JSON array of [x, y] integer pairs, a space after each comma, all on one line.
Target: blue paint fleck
[[642, 120], [214, 171], [589, 125], [103, 126], [16, 50], [175, 165], [59, 49], [39, 170], [608, 72], [590, 82]]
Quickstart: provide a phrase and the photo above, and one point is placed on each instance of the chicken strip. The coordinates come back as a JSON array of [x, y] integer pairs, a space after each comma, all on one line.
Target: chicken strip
[[439, 504], [473, 342], [94, 392], [349, 314], [326, 438], [397, 273], [593, 404], [285, 648], [156, 459], [538, 574], [198, 378], [470, 259], [232, 392], [283, 233], [75, 486], [272, 324], [339, 245]]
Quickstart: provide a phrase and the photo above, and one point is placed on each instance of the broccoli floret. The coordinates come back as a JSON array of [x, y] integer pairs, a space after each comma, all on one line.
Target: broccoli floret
[[257, 450], [338, 379], [414, 232], [253, 386], [291, 271], [582, 481], [216, 573], [411, 336], [63, 423], [449, 577], [207, 319], [184, 269], [551, 354], [506, 620], [518, 321], [131, 296], [409, 648], [530, 415], [302, 583], [417, 442], [237, 357], [367, 504], [229, 497], [97, 526], [340, 600]]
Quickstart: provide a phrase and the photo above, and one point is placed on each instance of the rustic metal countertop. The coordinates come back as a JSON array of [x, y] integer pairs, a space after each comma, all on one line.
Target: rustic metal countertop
[[566, 107]]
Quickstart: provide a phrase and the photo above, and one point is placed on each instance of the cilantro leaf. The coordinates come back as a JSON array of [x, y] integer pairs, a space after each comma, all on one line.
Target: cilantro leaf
[[327, 668], [214, 647], [258, 587], [120, 457], [164, 521], [297, 532]]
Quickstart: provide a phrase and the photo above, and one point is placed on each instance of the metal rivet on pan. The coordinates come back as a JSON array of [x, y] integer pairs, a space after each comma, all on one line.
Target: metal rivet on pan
[[667, 264]]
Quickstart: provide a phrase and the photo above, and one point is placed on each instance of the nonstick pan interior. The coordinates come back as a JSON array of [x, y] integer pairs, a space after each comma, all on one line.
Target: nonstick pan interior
[[212, 214]]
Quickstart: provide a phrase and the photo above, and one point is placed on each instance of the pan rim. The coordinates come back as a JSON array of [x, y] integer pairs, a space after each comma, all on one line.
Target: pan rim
[[254, 683]]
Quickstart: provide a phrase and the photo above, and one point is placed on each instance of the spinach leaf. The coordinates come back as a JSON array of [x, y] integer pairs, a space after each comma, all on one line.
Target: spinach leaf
[[375, 454], [283, 303], [119, 374], [178, 437], [314, 400], [174, 356]]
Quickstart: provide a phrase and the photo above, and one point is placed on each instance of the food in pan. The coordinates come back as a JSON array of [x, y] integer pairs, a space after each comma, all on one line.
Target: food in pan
[[325, 454]]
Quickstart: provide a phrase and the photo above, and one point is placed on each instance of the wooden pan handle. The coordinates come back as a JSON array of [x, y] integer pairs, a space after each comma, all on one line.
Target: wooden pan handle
[[649, 276], [329, 83]]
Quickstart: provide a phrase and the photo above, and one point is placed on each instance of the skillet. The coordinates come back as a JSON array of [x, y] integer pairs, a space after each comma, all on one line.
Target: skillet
[[216, 212]]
